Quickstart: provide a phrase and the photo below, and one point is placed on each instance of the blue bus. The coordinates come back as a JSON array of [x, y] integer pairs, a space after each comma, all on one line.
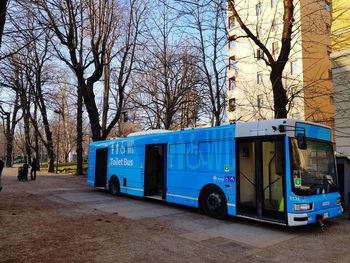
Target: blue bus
[[280, 171]]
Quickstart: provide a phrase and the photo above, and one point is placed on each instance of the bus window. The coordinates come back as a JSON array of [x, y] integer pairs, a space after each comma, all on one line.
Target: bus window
[[247, 184], [313, 168], [272, 154]]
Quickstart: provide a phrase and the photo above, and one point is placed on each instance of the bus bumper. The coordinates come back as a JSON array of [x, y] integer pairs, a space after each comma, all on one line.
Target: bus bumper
[[311, 217]]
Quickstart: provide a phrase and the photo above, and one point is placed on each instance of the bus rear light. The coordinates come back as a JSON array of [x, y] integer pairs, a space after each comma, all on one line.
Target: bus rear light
[[303, 207]]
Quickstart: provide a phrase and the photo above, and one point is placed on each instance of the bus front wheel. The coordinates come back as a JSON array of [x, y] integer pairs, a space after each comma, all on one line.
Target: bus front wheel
[[114, 186], [213, 202]]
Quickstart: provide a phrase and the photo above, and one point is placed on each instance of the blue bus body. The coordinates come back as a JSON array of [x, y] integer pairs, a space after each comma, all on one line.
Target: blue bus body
[[244, 169]]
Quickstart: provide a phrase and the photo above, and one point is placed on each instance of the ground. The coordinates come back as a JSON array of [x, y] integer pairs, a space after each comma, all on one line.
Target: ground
[[57, 218]]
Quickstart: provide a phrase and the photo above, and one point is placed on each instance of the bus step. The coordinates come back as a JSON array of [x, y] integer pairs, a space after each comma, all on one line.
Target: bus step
[[155, 197]]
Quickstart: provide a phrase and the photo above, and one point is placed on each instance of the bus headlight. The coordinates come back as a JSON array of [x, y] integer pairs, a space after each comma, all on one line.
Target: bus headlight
[[338, 201], [303, 207]]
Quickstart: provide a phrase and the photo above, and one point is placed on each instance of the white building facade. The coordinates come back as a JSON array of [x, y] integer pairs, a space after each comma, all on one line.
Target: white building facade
[[306, 77]]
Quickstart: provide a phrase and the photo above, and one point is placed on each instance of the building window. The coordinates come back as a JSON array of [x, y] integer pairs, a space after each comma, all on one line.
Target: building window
[[293, 68], [327, 5], [273, 3], [232, 104], [259, 77], [260, 101], [331, 100], [274, 48], [231, 43], [231, 22], [231, 84], [258, 8], [259, 54], [232, 62]]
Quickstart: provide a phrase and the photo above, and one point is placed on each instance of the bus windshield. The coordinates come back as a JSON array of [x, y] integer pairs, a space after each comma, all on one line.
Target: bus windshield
[[313, 169]]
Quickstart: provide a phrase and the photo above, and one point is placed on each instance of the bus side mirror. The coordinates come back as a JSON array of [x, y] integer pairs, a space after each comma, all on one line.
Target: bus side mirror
[[301, 138]]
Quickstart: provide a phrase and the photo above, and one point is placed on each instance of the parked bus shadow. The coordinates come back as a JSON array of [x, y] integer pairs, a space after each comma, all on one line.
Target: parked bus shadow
[[298, 230]]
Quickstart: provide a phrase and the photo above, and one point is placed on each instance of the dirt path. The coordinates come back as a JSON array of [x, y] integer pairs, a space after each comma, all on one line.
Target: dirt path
[[39, 223]]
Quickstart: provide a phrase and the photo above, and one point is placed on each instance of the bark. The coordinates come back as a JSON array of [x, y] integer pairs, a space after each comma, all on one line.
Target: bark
[[36, 136], [26, 121], [3, 8], [279, 94], [79, 132], [107, 77], [9, 144]]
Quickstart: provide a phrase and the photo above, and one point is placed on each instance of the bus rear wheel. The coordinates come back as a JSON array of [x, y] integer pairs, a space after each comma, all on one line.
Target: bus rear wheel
[[213, 202], [114, 186]]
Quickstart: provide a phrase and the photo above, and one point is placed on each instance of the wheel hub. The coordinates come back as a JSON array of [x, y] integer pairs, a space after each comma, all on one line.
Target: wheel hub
[[214, 201]]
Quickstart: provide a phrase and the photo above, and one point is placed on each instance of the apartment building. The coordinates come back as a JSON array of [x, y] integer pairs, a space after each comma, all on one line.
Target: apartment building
[[341, 73], [307, 76]]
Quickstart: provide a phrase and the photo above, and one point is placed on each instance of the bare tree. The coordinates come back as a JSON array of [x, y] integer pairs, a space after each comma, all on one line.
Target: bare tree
[[14, 79], [168, 92], [31, 71], [85, 29], [10, 117], [3, 8], [168, 79], [36, 71], [208, 33]]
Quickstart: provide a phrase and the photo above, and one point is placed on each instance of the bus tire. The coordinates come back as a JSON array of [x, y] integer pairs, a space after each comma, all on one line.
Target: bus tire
[[213, 202], [114, 186]]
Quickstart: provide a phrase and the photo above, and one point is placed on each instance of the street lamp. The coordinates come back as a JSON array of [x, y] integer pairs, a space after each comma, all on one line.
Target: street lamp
[[59, 112]]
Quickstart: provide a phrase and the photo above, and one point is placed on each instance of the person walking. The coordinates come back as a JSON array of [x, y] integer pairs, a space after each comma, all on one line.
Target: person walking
[[2, 164], [34, 166]]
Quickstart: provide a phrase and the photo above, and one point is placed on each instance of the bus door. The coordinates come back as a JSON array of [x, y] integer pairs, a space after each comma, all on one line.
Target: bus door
[[101, 167], [155, 171], [260, 178]]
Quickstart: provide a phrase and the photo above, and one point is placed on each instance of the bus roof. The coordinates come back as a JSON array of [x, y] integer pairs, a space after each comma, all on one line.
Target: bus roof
[[289, 127]]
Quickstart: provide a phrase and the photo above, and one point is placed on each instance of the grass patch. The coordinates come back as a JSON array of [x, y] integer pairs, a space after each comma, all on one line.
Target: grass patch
[[70, 168]]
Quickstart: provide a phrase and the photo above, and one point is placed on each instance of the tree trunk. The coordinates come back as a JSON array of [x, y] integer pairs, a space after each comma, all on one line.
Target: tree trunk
[[9, 150], [36, 135], [87, 93], [217, 117], [27, 136], [279, 93], [9, 138], [3, 8], [51, 156], [79, 132], [107, 72], [48, 133], [50, 148]]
